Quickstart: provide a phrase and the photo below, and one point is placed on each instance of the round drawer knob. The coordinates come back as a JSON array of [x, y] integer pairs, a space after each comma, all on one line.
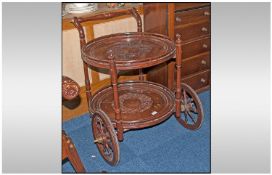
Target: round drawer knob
[[204, 29], [178, 19], [205, 46], [203, 62], [202, 80], [206, 13]]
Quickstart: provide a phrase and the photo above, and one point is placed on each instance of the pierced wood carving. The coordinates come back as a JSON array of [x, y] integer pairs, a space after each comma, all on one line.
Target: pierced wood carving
[[70, 89], [134, 102]]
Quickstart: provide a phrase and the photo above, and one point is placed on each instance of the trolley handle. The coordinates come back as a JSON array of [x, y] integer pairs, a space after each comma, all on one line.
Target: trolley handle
[[78, 20]]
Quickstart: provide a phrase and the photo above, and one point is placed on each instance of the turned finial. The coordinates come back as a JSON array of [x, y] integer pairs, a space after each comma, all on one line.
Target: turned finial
[[178, 40]]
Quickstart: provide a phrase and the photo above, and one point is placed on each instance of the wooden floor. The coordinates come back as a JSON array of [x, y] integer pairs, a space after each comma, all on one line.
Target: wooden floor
[[77, 107]]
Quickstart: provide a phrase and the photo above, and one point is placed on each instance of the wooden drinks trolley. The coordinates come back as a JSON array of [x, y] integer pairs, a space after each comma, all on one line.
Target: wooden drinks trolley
[[133, 104]]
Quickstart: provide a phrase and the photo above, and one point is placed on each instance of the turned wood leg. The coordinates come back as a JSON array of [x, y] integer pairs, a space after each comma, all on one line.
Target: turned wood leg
[[87, 83], [114, 83], [69, 151], [178, 65]]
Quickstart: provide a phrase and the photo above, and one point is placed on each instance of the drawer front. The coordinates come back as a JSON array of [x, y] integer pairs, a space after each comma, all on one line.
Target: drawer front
[[193, 30], [196, 47], [195, 64], [185, 6], [198, 81], [191, 16]]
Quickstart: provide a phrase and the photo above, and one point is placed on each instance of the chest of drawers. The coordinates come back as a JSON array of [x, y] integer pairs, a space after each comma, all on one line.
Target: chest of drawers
[[192, 22]]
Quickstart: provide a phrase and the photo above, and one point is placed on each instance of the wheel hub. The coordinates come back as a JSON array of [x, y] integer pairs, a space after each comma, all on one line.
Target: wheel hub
[[186, 107]]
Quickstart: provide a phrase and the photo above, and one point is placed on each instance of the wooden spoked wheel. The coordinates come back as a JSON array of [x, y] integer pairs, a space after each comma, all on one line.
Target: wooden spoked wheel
[[191, 108], [105, 138]]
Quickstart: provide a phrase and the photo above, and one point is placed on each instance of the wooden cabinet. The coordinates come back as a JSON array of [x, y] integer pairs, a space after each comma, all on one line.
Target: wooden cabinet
[[192, 22]]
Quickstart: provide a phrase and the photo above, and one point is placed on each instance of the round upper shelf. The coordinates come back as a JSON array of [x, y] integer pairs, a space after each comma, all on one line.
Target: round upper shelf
[[132, 50]]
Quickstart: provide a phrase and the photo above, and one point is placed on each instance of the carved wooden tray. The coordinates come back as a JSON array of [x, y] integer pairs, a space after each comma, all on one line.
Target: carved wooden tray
[[130, 50], [142, 104]]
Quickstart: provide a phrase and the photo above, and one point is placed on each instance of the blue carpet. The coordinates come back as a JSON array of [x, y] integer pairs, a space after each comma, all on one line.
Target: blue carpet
[[164, 148]]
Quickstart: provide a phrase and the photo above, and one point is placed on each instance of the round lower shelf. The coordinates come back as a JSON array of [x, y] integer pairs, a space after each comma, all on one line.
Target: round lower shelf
[[142, 104]]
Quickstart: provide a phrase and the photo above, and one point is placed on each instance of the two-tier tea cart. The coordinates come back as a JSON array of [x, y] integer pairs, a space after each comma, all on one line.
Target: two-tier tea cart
[[134, 104]]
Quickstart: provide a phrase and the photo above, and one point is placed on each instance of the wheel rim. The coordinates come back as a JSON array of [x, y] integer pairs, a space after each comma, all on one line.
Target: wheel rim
[[105, 138], [191, 108]]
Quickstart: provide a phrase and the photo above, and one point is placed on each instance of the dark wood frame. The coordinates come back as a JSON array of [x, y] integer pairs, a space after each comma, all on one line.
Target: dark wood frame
[[111, 64], [113, 68], [77, 23], [69, 152]]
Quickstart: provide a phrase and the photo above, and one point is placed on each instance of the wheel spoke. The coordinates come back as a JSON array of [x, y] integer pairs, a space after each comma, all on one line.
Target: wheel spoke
[[191, 108], [99, 126], [194, 110], [110, 152], [110, 145], [185, 117], [105, 138], [108, 148], [184, 96], [182, 102], [188, 112], [102, 127], [105, 150]]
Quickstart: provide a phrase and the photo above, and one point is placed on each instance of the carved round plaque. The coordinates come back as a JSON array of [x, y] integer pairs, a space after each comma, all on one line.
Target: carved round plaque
[[141, 104], [133, 102], [70, 89], [132, 50]]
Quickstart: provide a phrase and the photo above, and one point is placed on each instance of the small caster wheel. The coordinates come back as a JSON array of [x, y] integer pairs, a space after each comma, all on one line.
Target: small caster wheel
[[105, 138], [191, 108]]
